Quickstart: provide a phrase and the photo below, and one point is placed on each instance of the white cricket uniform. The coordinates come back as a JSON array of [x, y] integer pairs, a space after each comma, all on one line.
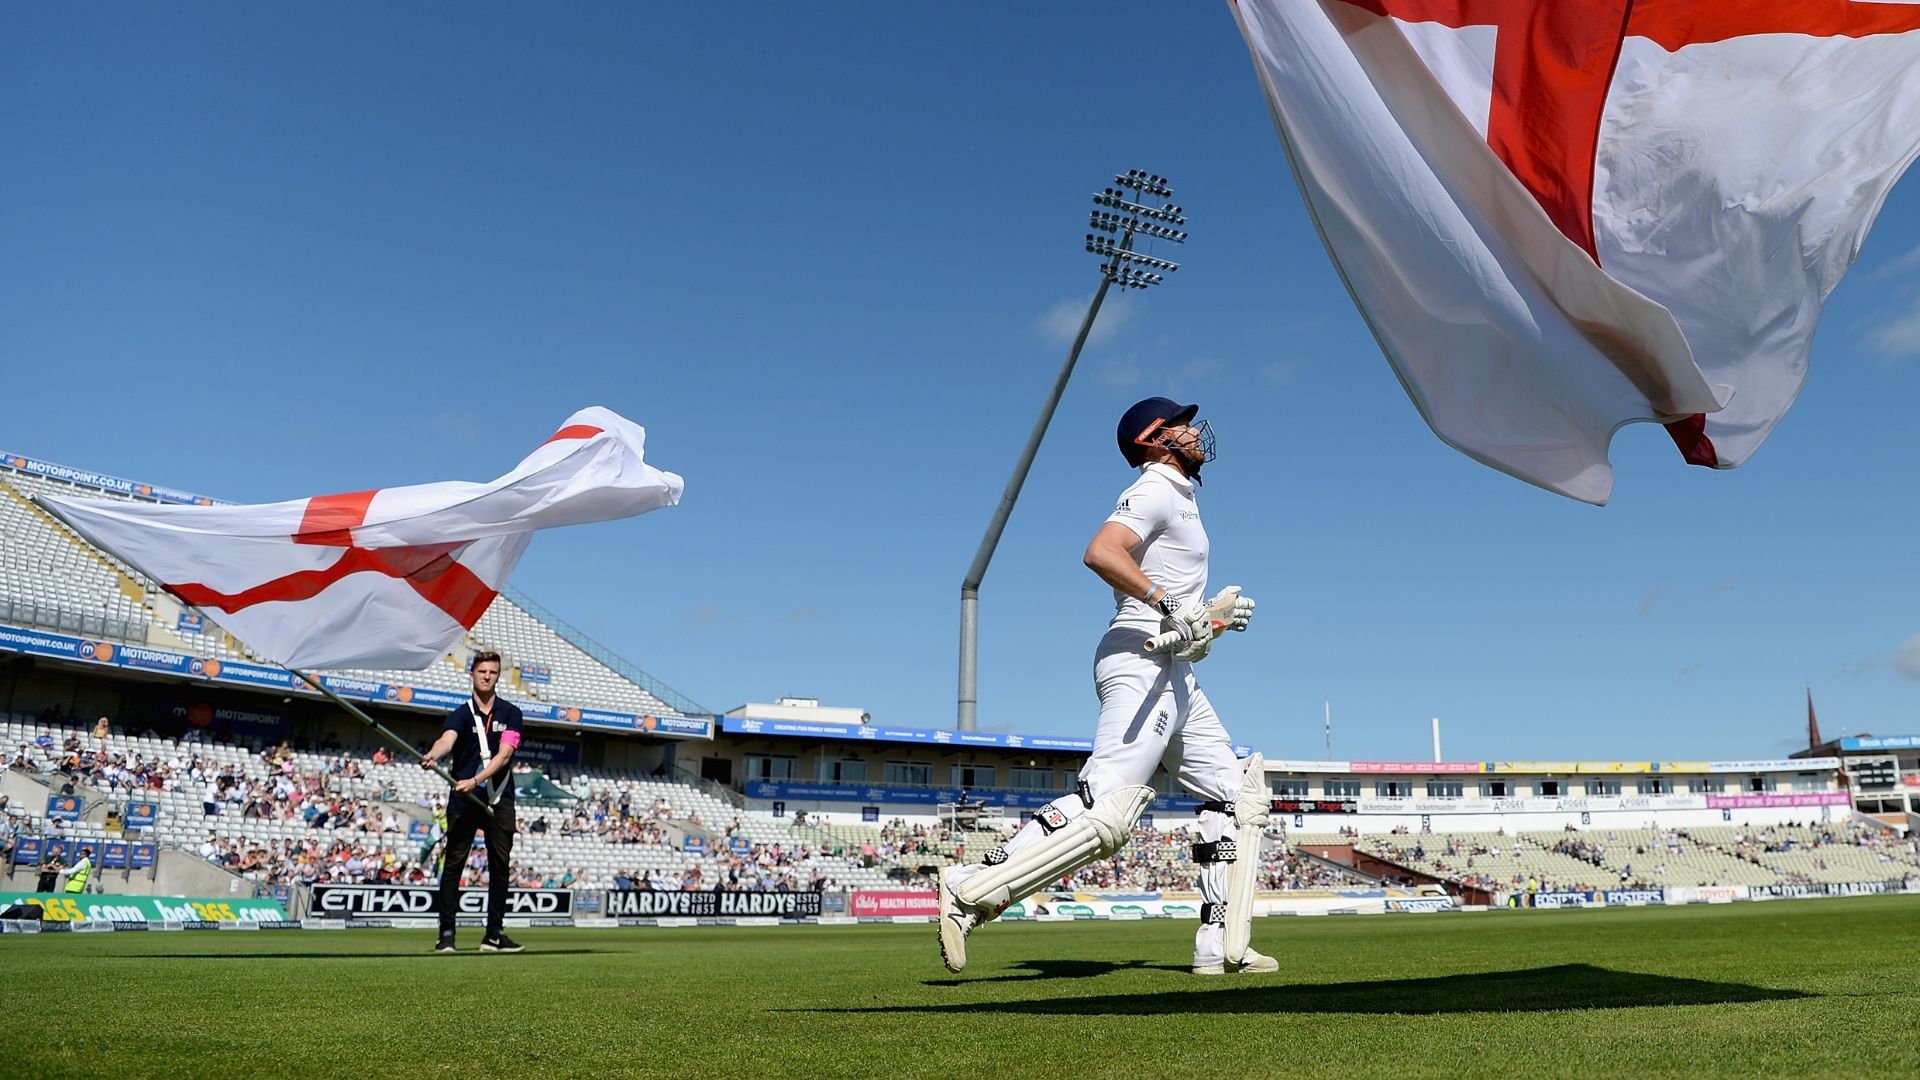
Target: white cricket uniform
[[1152, 710]]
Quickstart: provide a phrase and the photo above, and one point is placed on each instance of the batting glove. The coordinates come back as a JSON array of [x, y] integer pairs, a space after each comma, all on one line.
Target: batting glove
[[1196, 650], [1189, 621], [1230, 610]]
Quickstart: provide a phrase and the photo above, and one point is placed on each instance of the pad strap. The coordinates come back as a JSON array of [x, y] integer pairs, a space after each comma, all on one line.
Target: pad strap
[[1213, 914], [1223, 850], [1216, 806], [1051, 818]]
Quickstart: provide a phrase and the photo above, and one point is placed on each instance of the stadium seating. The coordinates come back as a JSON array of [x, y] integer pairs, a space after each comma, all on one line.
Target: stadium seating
[[47, 579], [779, 852], [1651, 858], [585, 844], [403, 794]]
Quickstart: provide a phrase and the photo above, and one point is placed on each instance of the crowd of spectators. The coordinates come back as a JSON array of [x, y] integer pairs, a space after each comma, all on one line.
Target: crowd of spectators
[[1473, 863], [1162, 860], [1889, 847], [612, 814], [314, 860], [354, 829], [763, 868]]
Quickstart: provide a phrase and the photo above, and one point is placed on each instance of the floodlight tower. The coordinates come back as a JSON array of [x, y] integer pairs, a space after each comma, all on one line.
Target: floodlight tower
[[1138, 205]]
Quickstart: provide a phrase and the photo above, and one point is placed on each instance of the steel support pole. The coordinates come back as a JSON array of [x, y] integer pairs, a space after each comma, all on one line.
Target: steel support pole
[[970, 588]]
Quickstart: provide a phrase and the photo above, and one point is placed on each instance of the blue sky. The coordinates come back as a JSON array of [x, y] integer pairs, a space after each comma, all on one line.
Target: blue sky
[[831, 258]]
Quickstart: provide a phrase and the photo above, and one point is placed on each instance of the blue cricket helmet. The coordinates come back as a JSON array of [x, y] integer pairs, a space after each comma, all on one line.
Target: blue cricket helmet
[[1141, 425]]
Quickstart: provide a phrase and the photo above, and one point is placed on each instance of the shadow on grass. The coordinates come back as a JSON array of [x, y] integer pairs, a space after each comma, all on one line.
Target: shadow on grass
[[1059, 969], [1548, 989], [411, 954]]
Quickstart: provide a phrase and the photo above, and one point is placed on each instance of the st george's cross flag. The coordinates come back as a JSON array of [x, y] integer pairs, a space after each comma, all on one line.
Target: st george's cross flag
[[389, 578], [1558, 218]]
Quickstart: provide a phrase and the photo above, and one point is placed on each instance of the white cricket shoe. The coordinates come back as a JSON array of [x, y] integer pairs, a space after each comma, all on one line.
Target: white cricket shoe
[[1254, 964], [956, 922]]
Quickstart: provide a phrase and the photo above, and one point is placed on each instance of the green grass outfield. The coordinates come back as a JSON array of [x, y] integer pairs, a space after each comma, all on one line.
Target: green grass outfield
[[1783, 988]]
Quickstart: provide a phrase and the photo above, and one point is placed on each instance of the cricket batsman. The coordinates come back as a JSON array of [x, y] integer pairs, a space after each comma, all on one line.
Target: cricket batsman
[[1153, 551]]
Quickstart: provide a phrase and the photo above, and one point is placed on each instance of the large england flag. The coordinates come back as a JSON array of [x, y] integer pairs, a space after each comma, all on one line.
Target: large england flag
[[1559, 218], [389, 578]]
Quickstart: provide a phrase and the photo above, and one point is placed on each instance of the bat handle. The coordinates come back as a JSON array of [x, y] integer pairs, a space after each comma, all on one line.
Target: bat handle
[[1160, 641]]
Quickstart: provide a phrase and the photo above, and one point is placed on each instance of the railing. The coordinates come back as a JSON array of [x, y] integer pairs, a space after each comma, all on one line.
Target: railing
[[679, 702], [1859, 817], [700, 783], [819, 837]]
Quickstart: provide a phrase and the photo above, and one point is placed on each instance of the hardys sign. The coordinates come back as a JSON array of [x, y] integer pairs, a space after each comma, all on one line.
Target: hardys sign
[[343, 901], [644, 903]]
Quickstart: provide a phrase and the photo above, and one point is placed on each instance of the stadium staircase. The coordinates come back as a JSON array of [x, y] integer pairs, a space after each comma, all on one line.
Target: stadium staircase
[[1313, 858]]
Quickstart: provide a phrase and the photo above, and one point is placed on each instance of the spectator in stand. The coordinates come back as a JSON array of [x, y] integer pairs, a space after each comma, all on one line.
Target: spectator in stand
[[49, 872]]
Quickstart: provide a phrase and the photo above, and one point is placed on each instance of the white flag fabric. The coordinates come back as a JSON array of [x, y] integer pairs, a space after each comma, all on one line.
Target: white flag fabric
[[389, 578], [1560, 218]]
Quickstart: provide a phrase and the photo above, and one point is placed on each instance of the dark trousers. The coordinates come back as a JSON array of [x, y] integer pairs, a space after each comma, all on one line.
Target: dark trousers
[[463, 822]]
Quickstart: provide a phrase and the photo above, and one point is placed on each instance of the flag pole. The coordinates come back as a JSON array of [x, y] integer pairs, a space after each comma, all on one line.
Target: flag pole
[[387, 733]]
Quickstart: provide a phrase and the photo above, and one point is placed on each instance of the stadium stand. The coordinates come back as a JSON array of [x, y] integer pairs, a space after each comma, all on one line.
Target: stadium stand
[[48, 579], [280, 816], [1653, 858], [277, 816]]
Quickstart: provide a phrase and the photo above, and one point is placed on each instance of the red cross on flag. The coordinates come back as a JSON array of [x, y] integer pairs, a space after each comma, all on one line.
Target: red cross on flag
[[389, 578], [1560, 217]]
